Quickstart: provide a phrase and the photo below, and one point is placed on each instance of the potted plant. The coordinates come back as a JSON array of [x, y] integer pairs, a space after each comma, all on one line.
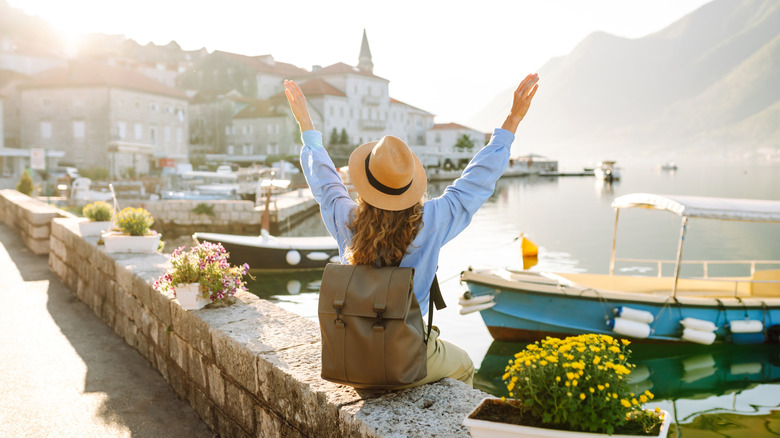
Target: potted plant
[[99, 214], [201, 276], [573, 387], [135, 234]]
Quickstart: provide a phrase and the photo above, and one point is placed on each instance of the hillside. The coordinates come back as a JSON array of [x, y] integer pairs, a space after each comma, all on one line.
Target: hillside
[[707, 83]]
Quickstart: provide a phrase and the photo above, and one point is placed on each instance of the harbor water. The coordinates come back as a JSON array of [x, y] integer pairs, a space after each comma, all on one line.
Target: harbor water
[[711, 391]]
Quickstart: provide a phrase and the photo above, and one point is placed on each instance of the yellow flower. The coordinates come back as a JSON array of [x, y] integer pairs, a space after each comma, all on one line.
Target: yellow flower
[[600, 387], [625, 403], [643, 398], [614, 349], [625, 341], [606, 384], [649, 394], [582, 395], [557, 378], [592, 390], [634, 402], [596, 360]]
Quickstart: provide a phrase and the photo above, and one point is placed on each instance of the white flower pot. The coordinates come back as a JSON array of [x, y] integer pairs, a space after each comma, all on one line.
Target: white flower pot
[[89, 229], [116, 242], [189, 296], [491, 429]]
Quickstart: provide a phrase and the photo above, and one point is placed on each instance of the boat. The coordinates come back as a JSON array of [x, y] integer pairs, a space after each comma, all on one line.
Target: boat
[[523, 305], [669, 165], [276, 253], [607, 171]]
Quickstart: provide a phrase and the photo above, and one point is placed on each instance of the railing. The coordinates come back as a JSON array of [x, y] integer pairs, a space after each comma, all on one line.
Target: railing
[[704, 263], [371, 100]]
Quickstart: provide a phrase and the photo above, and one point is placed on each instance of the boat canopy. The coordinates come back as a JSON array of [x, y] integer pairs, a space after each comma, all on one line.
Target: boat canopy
[[735, 209]]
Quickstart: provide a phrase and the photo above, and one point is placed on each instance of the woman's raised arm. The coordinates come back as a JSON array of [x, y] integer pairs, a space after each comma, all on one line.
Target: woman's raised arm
[[298, 105]]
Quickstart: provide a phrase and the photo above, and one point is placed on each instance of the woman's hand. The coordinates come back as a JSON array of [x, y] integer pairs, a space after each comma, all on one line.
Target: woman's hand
[[298, 105], [522, 101]]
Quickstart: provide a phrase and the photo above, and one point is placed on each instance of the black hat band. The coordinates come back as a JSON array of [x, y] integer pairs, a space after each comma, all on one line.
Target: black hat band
[[381, 187]]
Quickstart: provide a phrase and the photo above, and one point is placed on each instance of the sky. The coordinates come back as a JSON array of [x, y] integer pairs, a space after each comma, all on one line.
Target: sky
[[449, 58]]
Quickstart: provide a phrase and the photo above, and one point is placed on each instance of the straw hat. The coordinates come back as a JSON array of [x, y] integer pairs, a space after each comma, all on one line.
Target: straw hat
[[387, 174]]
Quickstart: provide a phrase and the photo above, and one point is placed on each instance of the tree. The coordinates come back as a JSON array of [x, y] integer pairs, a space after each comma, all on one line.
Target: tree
[[344, 139], [25, 184], [334, 137], [464, 143]]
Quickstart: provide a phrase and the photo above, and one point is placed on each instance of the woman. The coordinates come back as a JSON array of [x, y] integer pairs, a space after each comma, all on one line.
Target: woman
[[389, 225]]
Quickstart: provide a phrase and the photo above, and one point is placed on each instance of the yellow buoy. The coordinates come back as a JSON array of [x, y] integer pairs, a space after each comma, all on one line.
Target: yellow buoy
[[528, 248]]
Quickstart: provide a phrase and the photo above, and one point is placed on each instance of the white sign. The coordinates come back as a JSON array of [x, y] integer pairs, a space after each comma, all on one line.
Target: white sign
[[38, 159]]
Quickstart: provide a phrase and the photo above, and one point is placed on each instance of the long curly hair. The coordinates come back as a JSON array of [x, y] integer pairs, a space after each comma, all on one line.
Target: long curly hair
[[382, 237]]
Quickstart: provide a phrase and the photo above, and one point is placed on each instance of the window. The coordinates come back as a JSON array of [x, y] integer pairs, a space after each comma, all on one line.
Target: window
[[139, 131], [45, 129], [341, 112], [78, 129], [179, 135], [227, 130], [230, 149], [438, 137], [167, 133], [154, 107], [246, 149], [153, 135], [121, 130]]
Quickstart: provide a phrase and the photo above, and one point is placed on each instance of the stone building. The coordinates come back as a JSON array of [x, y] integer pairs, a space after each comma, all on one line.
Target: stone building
[[441, 145], [105, 117]]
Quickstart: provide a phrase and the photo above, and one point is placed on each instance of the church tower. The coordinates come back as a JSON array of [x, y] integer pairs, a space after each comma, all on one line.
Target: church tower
[[364, 60]]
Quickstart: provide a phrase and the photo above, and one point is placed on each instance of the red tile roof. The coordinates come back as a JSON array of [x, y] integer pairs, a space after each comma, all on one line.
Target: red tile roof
[[340, 68], [264, 64], [259, 108], [451, 126], [320, 87], [91, 73]]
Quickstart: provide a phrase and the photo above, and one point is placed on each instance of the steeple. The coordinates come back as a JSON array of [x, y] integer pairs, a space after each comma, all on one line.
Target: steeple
[[364, 60]]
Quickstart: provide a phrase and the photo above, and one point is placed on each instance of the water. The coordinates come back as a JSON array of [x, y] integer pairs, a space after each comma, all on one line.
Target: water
[[571, 220]]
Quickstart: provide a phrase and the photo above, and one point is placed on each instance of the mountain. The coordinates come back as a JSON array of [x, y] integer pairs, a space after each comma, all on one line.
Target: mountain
[[707, 84]]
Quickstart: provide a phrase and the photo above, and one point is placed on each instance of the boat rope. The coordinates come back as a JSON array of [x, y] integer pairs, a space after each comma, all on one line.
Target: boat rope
[[606, 308], [721, 308], [765, 315], [661, 312]]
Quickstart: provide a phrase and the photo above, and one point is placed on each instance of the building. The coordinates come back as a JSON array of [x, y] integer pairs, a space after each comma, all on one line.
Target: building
[[450, 145], [27, 58], [105, 117]]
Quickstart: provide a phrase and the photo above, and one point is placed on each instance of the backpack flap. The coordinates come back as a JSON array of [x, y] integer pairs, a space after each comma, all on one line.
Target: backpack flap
[[371, 325]]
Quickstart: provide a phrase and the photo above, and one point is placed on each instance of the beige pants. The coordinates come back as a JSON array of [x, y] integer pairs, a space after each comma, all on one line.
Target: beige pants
[[445, 359]]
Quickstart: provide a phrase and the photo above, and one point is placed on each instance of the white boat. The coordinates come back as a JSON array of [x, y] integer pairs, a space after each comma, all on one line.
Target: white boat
[[669, 165], [521, 305], [81, 191], [607, 171]]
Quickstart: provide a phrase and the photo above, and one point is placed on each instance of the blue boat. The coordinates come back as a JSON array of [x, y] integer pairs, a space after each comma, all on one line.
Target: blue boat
[[521, 305]]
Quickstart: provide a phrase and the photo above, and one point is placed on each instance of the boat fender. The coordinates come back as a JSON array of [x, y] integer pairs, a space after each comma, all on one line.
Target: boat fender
[[698, 374], [293, 257], [630, 328], [473, 301], [746, 326], [698, 361], [699, 324], [317, 256], [746, 368], [634, 314], [335, 259], [698, 336], [476, 308], [293, 287]]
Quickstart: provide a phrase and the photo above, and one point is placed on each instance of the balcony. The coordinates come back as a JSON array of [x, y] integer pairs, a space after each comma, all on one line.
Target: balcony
[[371, 100], [372, 125]]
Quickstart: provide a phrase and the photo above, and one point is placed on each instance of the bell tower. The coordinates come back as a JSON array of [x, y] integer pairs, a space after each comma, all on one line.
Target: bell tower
[[364, 60]]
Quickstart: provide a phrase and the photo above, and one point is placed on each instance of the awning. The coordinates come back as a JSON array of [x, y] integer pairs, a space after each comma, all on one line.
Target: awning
[[734, 209]]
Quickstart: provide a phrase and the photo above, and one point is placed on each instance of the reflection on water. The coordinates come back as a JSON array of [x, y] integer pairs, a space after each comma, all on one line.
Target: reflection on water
[[723, 388]]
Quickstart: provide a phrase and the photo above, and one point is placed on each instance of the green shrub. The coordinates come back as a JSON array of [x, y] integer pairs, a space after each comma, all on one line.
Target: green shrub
[[98, 211], [25, 184], [134, 221]]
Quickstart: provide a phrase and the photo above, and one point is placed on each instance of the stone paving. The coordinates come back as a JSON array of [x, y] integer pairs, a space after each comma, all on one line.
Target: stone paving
[[64, 373]]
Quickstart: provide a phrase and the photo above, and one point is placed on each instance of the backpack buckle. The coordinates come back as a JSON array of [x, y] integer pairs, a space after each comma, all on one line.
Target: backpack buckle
[[378, 322]]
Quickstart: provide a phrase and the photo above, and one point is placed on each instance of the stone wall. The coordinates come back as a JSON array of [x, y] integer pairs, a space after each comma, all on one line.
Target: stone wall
[[30, 218], [249, 369]]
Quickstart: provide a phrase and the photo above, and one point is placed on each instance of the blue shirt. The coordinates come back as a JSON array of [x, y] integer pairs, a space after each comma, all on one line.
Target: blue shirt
[[443, 217]]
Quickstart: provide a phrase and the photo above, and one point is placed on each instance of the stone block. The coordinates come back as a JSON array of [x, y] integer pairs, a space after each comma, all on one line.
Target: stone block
[[238, 362], [131, 334], [163, 363], [216, 385], [192, 329], [269, 424], [197, 369], [108, 314], [141, 289], [179, 381], [163, 340], [239, 405], [132, 307], [204, 407], [177, 350], [226, 427], [39, 231], [57, 247], [145, 322], [38, 246], [103, 262], [160, 305]]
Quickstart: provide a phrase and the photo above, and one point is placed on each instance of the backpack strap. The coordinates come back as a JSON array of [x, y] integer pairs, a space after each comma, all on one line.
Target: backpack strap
[[434, 298]]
